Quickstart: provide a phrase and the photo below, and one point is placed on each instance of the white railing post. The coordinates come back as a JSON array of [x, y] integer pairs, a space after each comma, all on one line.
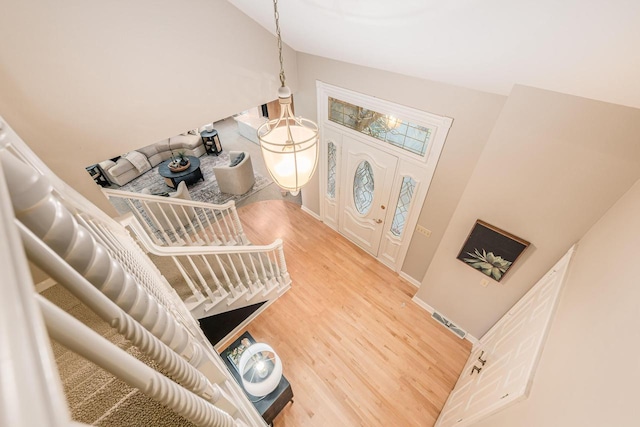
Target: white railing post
[[284, 274], [238, 226]]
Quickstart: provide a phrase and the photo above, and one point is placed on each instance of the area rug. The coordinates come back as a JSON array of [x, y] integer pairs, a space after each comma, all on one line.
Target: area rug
[[207, 191]]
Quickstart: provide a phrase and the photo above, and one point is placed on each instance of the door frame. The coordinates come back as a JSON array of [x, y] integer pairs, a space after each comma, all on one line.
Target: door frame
[[420, 168]]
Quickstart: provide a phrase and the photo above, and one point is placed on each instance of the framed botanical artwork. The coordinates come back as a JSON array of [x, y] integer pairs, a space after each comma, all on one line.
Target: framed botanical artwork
[[490, 250]]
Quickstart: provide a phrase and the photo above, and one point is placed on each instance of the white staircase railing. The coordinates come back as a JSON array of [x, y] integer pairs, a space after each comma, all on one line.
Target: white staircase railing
[[31, 393], [71, 333], [96, 260], [179, 222], [222, 278]]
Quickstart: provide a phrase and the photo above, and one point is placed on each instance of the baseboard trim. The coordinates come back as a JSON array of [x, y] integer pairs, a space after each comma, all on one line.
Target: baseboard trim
[[227, 339], [409, 279], [423, 304], [44, 285], [473, 340], [310, 212]]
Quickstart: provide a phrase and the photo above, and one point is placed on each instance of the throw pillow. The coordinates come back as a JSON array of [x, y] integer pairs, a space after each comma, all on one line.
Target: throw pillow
[[147, 191], [237, 160]]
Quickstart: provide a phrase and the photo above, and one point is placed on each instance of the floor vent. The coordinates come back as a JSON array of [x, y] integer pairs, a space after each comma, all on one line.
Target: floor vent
[[449, 325]]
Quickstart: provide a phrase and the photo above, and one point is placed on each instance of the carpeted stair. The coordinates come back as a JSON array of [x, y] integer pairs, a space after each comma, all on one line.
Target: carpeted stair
[[95, 396]]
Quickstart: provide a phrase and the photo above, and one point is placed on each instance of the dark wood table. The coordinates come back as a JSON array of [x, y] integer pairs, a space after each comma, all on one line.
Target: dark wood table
[[190, 175], [97, 174], [211, 141], [270, 405]]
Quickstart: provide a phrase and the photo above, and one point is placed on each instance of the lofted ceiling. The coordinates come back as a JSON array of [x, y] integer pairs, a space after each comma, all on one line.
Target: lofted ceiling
[[588, 48]]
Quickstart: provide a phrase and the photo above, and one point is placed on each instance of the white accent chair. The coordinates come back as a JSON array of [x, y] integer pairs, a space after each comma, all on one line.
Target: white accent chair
[[236, 179]]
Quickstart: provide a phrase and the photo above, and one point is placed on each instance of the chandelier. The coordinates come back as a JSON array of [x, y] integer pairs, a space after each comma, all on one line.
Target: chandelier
[[289, 144]]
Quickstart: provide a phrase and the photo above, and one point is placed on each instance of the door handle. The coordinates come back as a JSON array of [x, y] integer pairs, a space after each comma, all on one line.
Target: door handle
[[378, 221], [480, 358]]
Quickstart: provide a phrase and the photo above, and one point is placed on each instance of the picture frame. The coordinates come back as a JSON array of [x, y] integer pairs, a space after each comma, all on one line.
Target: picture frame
[[490, 250], [233, 354]]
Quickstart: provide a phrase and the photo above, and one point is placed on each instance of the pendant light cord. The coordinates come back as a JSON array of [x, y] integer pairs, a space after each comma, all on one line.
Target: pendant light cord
[[277, 16]]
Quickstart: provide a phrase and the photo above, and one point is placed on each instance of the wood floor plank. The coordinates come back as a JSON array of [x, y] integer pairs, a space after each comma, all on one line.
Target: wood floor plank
[[356, 349]]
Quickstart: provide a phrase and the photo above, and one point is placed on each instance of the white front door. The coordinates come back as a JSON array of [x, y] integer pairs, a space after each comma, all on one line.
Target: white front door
[[401, 148], [502, 365], [366, 180]]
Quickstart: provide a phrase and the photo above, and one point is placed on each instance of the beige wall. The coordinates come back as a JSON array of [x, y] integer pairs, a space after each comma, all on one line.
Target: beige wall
[[552, 167], [474, 114], [588, 374], [82, 81]]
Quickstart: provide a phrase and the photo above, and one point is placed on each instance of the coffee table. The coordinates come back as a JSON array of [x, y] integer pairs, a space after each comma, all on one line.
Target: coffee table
[[189, 175], [270, 405]]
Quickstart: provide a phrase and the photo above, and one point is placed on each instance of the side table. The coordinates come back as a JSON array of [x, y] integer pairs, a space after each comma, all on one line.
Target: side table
[[98, 176], [270, 405], [211, 142]]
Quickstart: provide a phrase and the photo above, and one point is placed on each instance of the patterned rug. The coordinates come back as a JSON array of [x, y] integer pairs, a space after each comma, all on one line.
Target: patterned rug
[[207, 191]]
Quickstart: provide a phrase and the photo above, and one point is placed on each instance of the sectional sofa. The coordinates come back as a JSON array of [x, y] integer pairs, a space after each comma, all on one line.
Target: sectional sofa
[[133, 164]]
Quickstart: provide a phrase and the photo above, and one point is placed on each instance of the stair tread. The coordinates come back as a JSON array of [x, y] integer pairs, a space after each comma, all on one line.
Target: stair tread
[[127, 413]]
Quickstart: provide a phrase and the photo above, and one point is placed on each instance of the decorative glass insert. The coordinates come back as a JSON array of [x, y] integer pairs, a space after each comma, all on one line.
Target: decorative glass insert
[[363, 187], [331, 168], [408, 136], [402, 208]]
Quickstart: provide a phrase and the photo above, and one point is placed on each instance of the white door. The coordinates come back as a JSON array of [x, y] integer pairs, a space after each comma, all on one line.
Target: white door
[[366, 181], [501, 367]]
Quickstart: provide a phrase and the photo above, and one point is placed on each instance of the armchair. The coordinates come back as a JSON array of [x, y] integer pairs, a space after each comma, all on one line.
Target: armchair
[[237, 179]]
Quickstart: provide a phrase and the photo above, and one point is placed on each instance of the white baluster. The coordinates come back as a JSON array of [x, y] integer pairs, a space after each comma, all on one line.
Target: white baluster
[[202, 229], [274, 277], [258, 282], [203, 282], [231, 238], [235, 272], [195, 291], [227, 280], [252, 288], [223, 236], [221, 291], [160, 228], [267, 281], [240, 236], [179, 221], [216, 240], [71, 333], [144, 223]]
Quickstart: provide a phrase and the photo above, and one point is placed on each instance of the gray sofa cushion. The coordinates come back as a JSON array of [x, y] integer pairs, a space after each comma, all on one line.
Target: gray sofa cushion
[[237, 160]]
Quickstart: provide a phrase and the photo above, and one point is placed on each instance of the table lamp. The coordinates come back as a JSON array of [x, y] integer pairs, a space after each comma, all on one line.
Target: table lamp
[[260, 369]]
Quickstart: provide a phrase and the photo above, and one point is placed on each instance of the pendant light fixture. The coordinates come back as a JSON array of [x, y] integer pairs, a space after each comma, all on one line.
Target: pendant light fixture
[[289, 144]]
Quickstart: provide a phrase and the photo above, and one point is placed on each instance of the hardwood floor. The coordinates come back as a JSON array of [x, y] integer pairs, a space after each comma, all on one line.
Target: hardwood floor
[[356, 349]]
